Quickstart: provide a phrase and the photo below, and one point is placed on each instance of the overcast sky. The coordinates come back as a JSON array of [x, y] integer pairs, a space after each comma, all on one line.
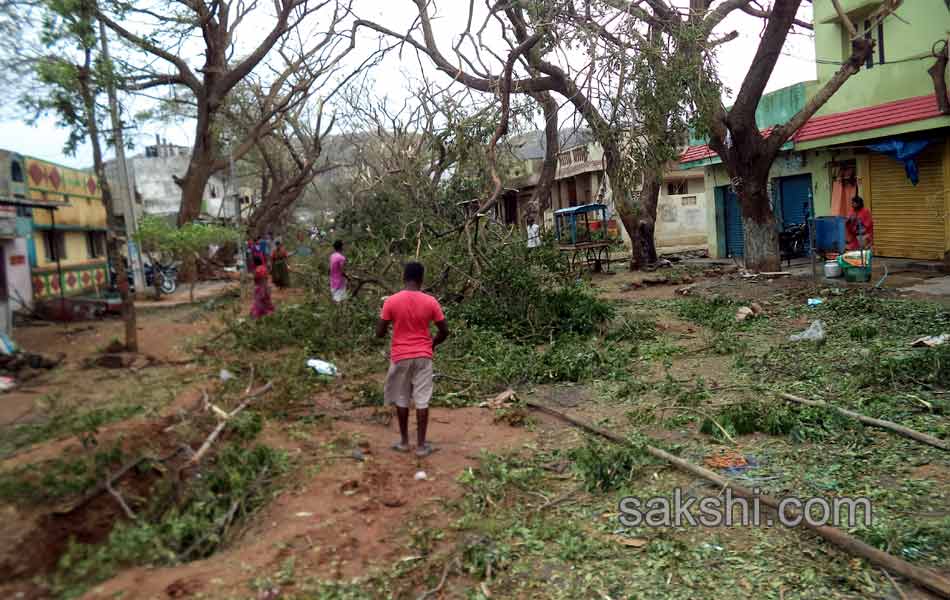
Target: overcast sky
[[45, 140]]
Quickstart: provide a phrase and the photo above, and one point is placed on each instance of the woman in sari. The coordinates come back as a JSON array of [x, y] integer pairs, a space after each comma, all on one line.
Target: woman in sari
[[262, 303], [859, 228], [280, 272]]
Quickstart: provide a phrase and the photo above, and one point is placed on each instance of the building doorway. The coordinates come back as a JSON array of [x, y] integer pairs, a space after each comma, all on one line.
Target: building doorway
[[795, 200]]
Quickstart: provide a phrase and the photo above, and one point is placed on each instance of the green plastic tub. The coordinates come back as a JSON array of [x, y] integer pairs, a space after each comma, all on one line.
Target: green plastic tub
[[856, 274]]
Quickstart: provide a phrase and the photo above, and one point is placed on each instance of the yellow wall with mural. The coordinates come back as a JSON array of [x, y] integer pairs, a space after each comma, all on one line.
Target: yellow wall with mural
[[77, 252], [76, 190], [58, 181], [81, 212]]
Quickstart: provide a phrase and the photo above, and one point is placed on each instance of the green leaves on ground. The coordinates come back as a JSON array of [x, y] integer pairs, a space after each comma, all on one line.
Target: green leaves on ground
[[237, 484], [606, 466], [530, 295]]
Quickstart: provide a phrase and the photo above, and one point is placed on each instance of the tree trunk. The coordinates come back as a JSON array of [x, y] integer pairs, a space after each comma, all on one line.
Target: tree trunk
[[112, 243], [541, 197], [192, 190], [200, 167], [269, 211], [759, 227], [649, 198], [627, 205]]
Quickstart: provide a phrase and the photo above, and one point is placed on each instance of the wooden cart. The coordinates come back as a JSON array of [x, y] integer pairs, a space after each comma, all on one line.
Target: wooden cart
[[582, 234]]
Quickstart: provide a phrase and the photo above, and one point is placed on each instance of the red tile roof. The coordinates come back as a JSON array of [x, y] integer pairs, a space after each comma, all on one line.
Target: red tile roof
[[869, 117], [852, 121], [694, 153]]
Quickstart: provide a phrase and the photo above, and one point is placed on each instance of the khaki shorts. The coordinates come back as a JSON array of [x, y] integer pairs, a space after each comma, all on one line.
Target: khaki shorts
[[409, 379]]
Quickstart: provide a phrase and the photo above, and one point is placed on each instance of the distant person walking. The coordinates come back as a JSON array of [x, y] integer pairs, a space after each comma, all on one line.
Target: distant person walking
[[411, 312], [262, 303], [534, 233], [338, 276], [263, 244], [279, 271], [256, 249]]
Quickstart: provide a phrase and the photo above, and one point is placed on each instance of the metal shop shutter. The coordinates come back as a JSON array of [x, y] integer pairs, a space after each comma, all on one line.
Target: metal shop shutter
[[735, 237], [908, 219], [796, 199]]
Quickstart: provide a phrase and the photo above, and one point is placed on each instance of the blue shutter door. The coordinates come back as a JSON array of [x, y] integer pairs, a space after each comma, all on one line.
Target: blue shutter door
[[796, 195], [735, 238]]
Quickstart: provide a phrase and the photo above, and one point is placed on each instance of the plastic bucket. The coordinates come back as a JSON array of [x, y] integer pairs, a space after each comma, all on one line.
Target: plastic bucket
[[832, 269]]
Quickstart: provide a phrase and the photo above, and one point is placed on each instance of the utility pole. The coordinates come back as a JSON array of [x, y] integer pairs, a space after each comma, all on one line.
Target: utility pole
[[131, 224], [242, 244]]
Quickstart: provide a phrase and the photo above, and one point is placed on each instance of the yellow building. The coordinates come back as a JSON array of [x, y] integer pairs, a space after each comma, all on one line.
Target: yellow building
[[68, 246]]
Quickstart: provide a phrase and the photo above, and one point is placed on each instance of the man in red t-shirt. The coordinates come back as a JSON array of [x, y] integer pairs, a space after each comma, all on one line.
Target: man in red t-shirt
[[411, 311]]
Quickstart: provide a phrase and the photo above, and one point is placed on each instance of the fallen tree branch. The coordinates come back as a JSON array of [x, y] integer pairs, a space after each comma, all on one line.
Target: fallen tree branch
[[214, 338], [221, 529], [707, 417], [217, 430], [900, 592], [107, 483], [118, 498], [445, 575], [362, 281], [559, 500], [922, 577], [880, 423], [250, 382]]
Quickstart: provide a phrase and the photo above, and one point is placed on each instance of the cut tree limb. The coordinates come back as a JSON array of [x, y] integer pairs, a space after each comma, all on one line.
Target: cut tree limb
[[118, 498], [104, 485], [907, 432], [938, 73], [217, 430], [923, 577]]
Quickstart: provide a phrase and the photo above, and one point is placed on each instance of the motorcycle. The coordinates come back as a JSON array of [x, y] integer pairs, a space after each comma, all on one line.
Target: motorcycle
[[168, 275], [793, 239]]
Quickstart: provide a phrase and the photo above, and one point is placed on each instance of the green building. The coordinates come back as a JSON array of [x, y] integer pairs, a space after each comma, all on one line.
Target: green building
[[838, 153]]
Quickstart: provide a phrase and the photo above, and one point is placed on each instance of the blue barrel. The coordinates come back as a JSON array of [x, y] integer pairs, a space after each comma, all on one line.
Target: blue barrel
[[829, 234]]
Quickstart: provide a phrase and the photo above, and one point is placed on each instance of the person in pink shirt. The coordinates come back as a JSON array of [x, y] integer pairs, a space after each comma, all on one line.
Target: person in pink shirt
[[411, 312], [338, 273]]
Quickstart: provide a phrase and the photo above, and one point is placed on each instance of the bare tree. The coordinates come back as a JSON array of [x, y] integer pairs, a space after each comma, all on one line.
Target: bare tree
[[216, 23], [537, 74], [292, 159]]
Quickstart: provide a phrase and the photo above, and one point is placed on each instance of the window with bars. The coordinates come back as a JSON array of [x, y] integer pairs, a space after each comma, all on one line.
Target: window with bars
[[677, 187], [95, 244], [870, 30], [54, 245]]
